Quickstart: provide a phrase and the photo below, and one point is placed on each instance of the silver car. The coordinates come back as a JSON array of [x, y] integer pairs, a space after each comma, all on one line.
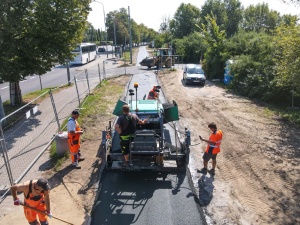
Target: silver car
[[193, 73]]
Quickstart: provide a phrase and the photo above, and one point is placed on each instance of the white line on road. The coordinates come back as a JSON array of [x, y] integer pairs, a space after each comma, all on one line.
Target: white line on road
[[32, 78], [4, 87]]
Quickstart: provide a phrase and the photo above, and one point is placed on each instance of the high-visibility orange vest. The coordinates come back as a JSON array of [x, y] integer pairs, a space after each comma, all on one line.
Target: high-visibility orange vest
[[154, 94], [33, 200], [74, 139], [217, 138]]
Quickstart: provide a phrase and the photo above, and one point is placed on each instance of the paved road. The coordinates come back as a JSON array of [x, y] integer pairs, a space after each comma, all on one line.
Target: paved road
[[146, 198], [56, 77]]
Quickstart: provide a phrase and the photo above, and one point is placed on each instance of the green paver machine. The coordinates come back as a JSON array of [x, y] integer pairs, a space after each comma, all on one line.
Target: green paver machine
[[156, 144]]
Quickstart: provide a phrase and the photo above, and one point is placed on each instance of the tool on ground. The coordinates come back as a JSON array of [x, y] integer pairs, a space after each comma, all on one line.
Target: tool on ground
[[39, 211]]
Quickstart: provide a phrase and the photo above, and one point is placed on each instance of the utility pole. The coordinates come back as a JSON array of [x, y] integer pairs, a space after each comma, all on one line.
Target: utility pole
[[130, 38], [115, 39]]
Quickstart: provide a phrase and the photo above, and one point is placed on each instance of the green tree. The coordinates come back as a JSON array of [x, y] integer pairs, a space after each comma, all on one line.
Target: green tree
[[253, 66], [287, 59], [260, 18], [215, 56], [185, 18], [34, 35], [228, 14], [191, 47]]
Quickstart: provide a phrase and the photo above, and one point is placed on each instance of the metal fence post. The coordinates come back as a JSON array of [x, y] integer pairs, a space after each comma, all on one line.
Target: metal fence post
[[5, 156], [104, 72], [75, 81], [125, 66], [54, 109], [87, 80], [99, 71]]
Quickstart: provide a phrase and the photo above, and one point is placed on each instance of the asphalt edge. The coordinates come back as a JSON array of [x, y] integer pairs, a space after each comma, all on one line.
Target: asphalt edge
[[103, 171], [188, 171]]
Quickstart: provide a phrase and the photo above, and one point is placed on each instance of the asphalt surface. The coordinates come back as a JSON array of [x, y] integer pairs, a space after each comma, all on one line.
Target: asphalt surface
[[54, 78], [146, 198]]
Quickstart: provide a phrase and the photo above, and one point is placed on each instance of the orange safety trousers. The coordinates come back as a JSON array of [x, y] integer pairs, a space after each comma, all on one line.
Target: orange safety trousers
[[74, 143], [32, 215]]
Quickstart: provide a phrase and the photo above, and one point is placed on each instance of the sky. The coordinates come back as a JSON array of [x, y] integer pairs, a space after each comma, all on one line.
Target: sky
[[152, 12]]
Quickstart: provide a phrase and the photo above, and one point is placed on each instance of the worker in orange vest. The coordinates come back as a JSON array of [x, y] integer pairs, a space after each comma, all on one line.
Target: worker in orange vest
[[36, 196], [74, 133], [212, 149], [153, 93]]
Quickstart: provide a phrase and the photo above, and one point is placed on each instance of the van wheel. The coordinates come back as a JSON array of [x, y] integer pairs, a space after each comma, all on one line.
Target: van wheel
[[186, 82]]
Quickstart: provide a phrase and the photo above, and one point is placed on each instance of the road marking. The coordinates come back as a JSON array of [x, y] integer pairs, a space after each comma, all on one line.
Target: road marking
[[32, 78], [4, 87], [23, 81]]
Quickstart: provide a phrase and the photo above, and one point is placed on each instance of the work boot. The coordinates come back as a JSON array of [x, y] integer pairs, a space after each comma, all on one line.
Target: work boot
[[212, 172], [76, 165], [81, 158], [203, 170]]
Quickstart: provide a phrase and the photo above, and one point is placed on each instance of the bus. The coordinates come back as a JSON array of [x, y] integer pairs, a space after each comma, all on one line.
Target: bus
[[84, 53]]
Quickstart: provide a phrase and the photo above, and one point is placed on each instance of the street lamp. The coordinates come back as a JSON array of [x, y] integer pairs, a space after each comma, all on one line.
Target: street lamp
[[104, 27]]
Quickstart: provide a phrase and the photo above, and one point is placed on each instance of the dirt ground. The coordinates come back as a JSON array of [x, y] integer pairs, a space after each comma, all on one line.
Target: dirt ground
[[257, 179], [73, 191]]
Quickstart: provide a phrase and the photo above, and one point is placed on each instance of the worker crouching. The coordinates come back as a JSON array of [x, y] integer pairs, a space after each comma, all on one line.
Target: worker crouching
[[154, 93]]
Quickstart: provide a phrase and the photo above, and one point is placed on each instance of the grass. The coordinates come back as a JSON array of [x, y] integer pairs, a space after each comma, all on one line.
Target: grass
[[285, 114], [8, 108], [95, 105], [126, 55], [57, 160]]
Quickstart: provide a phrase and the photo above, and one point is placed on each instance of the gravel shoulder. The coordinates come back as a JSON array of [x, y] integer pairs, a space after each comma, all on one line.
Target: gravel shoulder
[[257, 177]]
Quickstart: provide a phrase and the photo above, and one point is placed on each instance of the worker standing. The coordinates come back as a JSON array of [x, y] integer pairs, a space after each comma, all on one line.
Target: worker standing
[[74, 133], [126, 127], [36, 196], [212, 149], [153, 93]]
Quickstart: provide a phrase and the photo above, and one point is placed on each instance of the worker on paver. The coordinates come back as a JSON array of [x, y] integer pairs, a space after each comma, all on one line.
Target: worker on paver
[[126, 127], [74, 133], [154, 93], [36, 200], [212, 149]]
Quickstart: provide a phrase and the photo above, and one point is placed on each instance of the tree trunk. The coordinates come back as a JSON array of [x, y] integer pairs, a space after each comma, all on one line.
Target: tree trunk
[[15, 93]]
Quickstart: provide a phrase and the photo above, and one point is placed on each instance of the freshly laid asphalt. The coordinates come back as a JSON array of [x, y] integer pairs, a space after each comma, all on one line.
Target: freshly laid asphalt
[[146, 198]]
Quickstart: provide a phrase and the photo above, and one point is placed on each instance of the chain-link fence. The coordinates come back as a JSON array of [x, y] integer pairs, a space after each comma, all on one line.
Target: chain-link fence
[[26, 133]]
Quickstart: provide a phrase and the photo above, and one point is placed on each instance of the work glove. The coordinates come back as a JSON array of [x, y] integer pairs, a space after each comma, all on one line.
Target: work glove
[[49, 214], [17, 202]]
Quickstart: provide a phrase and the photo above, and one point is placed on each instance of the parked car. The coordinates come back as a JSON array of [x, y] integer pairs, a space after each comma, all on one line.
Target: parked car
[[101, 49], [193, 73]]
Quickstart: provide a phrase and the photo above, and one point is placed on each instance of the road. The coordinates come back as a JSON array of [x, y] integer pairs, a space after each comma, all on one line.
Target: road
[[56, 77], [146, 198]]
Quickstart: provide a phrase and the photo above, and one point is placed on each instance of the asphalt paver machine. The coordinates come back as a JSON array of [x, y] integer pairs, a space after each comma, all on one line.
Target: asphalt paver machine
[[156, 145]]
